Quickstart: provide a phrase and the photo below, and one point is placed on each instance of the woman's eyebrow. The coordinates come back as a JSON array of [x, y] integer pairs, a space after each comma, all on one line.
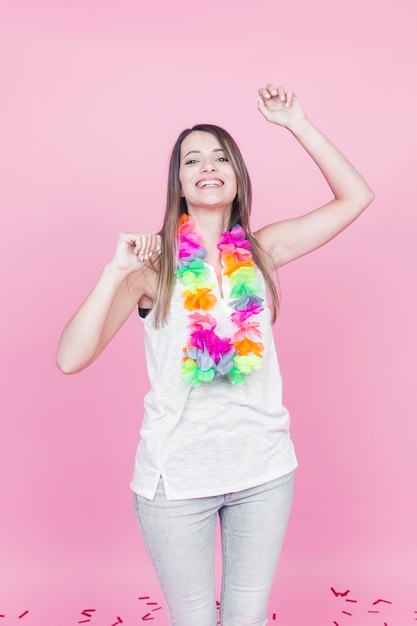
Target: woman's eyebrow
[[199, 151]]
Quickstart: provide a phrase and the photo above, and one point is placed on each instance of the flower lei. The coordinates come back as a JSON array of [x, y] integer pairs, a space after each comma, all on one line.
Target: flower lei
[[207, 355]]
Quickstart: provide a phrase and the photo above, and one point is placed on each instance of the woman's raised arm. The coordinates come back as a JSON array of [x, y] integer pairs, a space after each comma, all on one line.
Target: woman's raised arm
[[124, 282], [290, 239]]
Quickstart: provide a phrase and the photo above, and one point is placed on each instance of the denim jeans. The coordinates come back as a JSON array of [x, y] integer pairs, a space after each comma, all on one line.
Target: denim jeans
[[180, 537]]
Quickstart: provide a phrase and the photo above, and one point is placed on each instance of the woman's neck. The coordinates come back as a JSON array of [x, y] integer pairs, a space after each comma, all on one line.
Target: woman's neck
[[210, 224]]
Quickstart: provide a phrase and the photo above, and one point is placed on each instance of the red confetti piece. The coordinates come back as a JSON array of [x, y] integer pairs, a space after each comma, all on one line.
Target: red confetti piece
[[87, 612], [84, 621], [274, 616], [23, 614], [146, 617], [346, 613], [338, 593], [349, 600], [381, 600], [119, 621], [158, 608], [143, 598]]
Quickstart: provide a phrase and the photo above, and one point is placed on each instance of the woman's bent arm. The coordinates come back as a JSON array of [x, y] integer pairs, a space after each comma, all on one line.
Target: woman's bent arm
[[290, 239], [122, 284]]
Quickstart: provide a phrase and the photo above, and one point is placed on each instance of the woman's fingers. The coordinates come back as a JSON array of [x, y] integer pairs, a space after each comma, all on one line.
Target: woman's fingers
[[281, 94], [151, 244], [142, 245], [290, 98], [273, 91], [280, 106], [146, 245], [264, 93]]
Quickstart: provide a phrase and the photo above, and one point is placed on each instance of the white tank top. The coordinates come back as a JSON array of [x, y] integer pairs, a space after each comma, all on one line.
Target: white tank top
[[215, 438]]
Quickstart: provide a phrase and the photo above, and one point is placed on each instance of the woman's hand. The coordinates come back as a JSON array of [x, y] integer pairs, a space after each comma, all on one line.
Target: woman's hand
[[279, 106], [134, 249]]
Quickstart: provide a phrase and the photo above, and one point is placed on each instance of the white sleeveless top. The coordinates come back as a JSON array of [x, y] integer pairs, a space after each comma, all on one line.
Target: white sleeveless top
[[215, 438]]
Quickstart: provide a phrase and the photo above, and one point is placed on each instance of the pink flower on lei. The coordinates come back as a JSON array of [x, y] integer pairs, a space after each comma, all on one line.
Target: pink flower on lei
[[199, 321], [189, 245], [245, 328]]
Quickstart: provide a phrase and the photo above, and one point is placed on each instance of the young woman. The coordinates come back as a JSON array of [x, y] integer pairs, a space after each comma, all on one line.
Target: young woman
[[215, 435]]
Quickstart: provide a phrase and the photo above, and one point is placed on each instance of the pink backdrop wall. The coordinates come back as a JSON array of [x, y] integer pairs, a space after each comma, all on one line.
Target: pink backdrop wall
[[94, 93]]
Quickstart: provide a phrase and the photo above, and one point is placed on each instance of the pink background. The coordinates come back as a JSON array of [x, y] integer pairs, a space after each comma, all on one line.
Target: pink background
[[94, 93]]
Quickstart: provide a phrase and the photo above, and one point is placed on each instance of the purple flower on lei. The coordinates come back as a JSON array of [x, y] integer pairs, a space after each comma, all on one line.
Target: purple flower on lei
[[236, 236], [215, 345]]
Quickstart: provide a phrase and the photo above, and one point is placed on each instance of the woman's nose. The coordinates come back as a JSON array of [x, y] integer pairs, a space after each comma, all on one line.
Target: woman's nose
[[209, 165]]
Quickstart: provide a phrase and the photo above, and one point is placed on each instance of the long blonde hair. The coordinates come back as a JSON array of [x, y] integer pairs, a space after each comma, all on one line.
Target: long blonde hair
[[176, 206]]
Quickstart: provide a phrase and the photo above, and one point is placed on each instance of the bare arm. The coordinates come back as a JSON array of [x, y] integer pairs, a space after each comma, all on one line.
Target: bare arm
[[290, 239], [123, 283]]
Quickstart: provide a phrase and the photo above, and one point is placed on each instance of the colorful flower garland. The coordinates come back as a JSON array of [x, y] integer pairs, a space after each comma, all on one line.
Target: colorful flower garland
[[207, 355]]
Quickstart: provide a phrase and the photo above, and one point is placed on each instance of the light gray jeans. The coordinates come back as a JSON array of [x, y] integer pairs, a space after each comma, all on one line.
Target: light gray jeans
[[180, 537]]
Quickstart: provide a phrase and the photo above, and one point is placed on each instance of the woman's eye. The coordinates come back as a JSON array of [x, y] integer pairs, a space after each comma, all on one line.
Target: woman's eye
[[191, 162], [223, 159]]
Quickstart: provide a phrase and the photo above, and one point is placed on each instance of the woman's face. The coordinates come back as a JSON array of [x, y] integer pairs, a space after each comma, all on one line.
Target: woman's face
[[206, 176]]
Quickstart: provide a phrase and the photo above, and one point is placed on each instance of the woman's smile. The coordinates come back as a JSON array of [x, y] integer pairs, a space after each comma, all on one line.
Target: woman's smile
[[205, 183]]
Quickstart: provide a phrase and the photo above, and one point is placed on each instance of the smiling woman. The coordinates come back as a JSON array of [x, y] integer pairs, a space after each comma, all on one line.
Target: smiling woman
[[215, 436]]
